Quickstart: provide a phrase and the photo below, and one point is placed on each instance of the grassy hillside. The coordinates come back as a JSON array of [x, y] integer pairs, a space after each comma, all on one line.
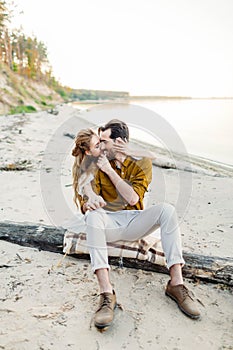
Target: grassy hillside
[[18, 94]]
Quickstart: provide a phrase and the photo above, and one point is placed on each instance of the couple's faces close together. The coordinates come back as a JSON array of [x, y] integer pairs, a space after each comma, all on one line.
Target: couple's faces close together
[[102, 145]]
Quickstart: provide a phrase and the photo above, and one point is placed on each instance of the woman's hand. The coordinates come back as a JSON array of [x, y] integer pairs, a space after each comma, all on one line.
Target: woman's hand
[[103, 164], [94, 202]]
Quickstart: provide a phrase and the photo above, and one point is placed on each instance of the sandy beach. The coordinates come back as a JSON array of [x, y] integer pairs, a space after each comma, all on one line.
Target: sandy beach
[[48, 304]]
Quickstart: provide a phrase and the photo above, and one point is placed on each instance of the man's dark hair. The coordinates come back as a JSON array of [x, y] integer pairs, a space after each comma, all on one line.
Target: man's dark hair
[[118, 129]]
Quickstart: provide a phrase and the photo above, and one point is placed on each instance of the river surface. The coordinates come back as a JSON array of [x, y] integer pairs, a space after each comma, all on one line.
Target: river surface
[[205, 126]]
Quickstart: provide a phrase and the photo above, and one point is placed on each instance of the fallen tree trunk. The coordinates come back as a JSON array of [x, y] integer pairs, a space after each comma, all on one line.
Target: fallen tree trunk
[[207, 268]]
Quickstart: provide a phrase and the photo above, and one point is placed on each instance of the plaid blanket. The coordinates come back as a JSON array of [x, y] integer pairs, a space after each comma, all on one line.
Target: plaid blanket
[[148, 248]]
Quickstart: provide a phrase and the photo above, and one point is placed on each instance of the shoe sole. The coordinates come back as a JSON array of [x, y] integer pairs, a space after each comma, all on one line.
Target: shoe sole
[[102, 328], [194, 317]]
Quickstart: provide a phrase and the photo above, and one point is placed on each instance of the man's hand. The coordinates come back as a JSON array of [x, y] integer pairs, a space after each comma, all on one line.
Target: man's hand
[[103, 164], [130, 149], [122, 147]]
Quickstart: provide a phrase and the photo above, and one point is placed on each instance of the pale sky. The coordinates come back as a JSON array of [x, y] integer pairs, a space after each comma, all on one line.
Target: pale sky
[[145, 47]]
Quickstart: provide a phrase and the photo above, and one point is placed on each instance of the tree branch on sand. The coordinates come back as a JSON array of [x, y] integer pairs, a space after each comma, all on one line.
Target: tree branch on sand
[[198, 267]]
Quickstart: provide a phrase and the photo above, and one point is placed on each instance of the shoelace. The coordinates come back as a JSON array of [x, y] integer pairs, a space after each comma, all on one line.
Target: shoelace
[[186, 292], [106, 302]]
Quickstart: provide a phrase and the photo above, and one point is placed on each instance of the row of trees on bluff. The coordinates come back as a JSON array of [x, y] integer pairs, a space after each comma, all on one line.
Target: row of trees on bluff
[[22, 54], [28, 57]]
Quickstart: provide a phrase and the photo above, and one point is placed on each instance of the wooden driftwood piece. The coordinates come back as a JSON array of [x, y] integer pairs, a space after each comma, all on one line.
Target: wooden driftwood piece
[[207, 268]]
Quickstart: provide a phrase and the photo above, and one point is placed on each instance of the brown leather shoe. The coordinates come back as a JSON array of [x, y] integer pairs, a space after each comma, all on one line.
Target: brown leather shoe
[[182, 297], [105, 313]]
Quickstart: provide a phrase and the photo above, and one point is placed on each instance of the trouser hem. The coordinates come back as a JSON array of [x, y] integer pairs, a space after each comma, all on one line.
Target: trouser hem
[[98, 267], [175, 262]]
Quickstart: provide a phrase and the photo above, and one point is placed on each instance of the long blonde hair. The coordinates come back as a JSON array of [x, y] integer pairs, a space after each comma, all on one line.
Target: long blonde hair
[[82, 163]]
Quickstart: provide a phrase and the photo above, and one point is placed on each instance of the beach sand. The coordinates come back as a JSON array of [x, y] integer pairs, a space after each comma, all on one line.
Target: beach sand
[[46, 303]]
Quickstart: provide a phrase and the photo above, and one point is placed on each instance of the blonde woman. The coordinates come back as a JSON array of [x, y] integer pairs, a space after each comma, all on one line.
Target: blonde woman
[[86, 153]]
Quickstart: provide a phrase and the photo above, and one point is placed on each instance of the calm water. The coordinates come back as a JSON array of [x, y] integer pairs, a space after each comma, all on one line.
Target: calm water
[[205, 126]]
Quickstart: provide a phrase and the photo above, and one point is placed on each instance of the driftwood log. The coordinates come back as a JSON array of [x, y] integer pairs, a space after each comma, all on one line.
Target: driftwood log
[[199, 267]]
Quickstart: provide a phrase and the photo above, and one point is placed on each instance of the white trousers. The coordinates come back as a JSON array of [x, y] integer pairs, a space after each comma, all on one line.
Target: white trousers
[[130, 225]]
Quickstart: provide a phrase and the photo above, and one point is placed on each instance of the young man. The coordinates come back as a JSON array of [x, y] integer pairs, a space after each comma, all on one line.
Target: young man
[[122, 182]]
